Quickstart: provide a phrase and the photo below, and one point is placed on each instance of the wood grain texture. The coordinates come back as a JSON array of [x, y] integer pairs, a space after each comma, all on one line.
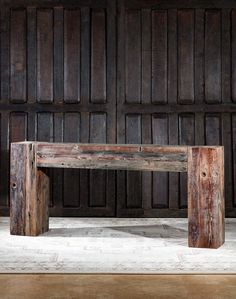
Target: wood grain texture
[[159, 56], [213, 56], [29, 192], [45, 55], [185, 56], [205, 166], [72, 56], [206, 197], [72, 65], [18, 56]]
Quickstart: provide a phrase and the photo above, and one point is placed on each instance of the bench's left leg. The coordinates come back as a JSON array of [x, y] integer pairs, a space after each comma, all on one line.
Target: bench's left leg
[[206, 197], [29, 192]]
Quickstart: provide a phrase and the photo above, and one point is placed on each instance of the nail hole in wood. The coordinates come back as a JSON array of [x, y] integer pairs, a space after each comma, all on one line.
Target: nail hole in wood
[[203, 174], [14, 186]]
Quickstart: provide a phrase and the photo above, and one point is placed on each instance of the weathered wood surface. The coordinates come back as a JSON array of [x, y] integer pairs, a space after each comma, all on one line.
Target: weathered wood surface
[[123, 157], [29, 192], [206, 197], [204, 164]]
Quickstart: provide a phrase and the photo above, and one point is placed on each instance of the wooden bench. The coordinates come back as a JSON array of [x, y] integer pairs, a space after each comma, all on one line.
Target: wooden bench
[[29, 184]]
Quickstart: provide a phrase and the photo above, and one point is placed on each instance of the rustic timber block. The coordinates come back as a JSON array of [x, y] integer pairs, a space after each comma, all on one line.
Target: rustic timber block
[[29, 192], [204, 164], [206, 197]]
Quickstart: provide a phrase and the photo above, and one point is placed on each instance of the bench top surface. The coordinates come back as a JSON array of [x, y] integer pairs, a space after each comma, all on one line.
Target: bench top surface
[[110, 156], [110, 146]]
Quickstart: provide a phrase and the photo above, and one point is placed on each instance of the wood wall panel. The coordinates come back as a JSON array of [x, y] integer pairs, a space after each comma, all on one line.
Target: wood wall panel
[[186, 137], [71, 176], [213, 129], [71, 56], [18, 127], [98, 56], [159, 56], [234, 156], [98, 127], [133, 56], [45, 55], [160, 179], [18, 56], [58, 55], [118, 71], [186, 56], [31, 55], [134, 178], [213, 56]]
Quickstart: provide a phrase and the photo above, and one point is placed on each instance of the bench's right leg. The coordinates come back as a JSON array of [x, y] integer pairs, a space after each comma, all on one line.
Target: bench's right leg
[[29, 192], [206, 196]]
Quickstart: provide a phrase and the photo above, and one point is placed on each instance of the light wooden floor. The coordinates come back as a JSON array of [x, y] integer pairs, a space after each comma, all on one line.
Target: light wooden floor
[[70, 286]]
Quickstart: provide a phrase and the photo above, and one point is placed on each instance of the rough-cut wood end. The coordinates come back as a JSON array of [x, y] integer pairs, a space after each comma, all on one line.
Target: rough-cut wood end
[[206, 196], [29, 192]]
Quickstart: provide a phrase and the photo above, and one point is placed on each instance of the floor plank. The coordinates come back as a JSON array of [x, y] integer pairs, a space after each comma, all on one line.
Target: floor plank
[[59, 286]]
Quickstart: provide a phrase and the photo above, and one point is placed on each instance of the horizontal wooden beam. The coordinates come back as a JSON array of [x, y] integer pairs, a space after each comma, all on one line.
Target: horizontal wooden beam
[[112, 156]]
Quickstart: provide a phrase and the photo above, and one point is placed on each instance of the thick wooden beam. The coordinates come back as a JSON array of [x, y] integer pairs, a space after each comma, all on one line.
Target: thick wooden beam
[[29, 192], [109, 156], [206, 196]]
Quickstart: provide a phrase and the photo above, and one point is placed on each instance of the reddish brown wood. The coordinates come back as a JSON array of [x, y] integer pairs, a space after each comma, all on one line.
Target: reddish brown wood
[[102, 156], [206, 196], [204, 164], [29, 192]]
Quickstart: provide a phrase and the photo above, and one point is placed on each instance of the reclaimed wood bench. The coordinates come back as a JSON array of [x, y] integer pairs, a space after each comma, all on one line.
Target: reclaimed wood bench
[[29, 184]]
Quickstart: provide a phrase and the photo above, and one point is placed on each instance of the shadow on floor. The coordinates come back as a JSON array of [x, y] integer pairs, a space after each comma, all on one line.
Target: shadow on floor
[[147, 231]]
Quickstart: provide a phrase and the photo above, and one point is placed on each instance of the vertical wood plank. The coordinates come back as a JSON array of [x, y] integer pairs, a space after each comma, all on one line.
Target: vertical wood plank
[[159, 56], [226, 53], [18, 55], [71, 176], [133, 56], [45, 126], [29, 192], [45, 130], [58, 54], [45, 55], [186, 137], [4, 160], [98, 56], [234, 155], [72, 56], [199, 56], [173, 177], [134, 179], [85, 55], [233, 54], [5, 59], [98, 134], [185, 56], [213, 129], [199, 129], [18, 127], [147, 176], [31, 55], [160, 179], [111, 68], [172, 56], [206, 197], [146, 56], [57, 177], [213, 56], [226, 141], [84, 173]]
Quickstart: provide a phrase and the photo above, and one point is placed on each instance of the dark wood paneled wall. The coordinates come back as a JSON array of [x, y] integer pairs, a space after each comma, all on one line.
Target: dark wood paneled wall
[[118, 72]]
